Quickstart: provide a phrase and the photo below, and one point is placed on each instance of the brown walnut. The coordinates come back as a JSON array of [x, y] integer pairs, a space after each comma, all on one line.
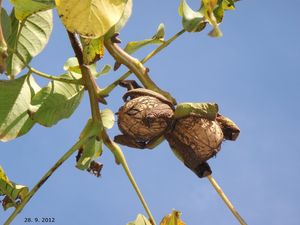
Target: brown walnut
[[194, 140], [143, 119]]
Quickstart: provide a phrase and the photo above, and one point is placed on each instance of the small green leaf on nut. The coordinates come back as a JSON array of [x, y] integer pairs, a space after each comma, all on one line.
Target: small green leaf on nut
[[205, 110]]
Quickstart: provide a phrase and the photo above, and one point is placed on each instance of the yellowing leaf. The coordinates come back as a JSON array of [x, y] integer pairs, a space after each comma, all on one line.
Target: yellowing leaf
[[208, 7], [172, 219], [93, 50], [90, 18], [24, 8], [140, 220], [123, 20]]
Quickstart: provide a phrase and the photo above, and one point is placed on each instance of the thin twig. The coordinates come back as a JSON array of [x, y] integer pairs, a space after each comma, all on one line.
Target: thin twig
[[51, 77], [134, 65], [120, 158], [109, 88], [45, 75], [226, 200]]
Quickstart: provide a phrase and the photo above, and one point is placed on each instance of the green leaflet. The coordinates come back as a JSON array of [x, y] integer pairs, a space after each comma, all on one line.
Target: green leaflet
[[140, 220], [24, 8], [15, 97], [206, 110], [56, 101], [192, 21], [27, 39], [72, 65], [158, 38], [104, 70], [108, 118], [12, 192]]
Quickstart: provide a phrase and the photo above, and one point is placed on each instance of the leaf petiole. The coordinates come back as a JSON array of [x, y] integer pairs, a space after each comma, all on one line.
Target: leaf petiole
[[120, 159], [226, 200], [51, 77], [105, 91]]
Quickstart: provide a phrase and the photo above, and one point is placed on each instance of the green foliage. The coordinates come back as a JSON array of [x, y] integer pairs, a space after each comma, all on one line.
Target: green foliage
[[91, 150], [192, 21], [15, 98], [28, 38], [72, 65], [13, 193], [103, 71], [56, 101], [205, 110], [158, 38]]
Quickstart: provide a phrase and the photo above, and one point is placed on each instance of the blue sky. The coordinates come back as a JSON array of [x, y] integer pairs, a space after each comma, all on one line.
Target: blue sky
[[252, 72]]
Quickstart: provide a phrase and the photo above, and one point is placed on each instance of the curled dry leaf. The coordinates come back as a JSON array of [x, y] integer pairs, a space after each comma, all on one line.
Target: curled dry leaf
[[172, 219]]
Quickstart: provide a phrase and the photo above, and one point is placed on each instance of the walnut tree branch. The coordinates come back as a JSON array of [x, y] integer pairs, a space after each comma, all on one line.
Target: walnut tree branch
[[134, 65]]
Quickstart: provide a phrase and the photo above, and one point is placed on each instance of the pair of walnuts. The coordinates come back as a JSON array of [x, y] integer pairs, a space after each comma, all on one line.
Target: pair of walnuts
[[195, 131]]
